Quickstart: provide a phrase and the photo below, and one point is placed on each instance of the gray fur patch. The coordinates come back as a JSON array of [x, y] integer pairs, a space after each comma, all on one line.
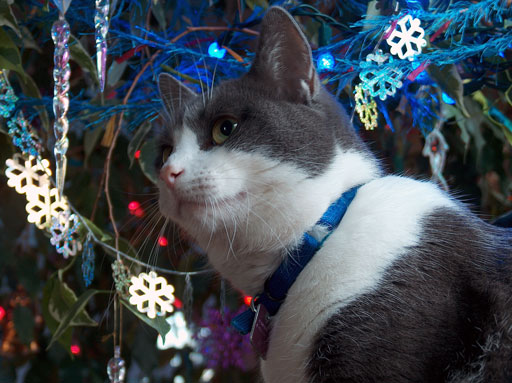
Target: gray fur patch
[[442, 312]]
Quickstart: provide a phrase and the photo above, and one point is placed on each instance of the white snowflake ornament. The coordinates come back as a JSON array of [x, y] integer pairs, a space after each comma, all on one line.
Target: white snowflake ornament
[[152, 294], [43, 204], [26, 173], [64, 231], [407, 39], [378, 77]]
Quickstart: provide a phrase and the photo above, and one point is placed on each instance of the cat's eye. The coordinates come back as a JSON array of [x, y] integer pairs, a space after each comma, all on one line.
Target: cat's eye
[[166, 153], [223, 128]]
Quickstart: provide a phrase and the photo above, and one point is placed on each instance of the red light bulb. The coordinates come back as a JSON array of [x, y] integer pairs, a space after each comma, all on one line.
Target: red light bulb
[[75, 349], [2, 313], [134, 205], [162, 241], [247, 300], [137, 154]]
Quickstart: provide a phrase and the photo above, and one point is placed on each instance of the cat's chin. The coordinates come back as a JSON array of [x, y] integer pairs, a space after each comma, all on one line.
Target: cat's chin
[[192, 211]]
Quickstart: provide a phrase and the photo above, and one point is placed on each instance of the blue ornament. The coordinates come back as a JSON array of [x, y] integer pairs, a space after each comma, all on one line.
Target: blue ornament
[[22, 135], [378, 77], [214, 50], [447, 99], [325, 62], [7, 97], [88, 258]]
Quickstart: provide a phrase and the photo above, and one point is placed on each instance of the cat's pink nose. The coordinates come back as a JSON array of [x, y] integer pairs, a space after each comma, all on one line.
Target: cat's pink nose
[[169, 173]]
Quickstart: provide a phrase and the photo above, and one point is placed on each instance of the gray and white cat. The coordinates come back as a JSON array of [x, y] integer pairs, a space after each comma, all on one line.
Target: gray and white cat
[[411, 286]]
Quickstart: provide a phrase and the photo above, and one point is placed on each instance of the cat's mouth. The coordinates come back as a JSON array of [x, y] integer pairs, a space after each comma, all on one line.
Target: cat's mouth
[[209, 204]]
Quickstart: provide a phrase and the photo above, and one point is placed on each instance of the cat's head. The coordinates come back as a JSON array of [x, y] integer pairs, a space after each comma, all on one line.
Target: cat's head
[[262, 154]]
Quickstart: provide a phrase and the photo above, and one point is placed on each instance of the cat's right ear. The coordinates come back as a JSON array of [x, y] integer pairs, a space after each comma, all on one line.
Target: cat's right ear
[[174, 93], [283, 59]]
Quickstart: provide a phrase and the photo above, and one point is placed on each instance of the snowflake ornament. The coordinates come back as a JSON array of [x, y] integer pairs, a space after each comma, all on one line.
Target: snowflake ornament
[[379, 77], [366, 108], [152, 294], [407, 39], [64, 231], [7, 97], [43, 204], [27, 173], [22, 136]]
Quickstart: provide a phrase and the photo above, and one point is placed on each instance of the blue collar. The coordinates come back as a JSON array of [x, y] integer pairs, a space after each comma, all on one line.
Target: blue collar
[[277, 286]]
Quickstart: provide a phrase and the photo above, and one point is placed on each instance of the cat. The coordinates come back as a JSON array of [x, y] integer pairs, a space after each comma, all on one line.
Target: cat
[[410, 287]]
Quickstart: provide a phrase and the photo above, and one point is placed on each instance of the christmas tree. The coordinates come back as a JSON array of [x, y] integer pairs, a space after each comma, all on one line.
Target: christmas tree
[[96, 286]]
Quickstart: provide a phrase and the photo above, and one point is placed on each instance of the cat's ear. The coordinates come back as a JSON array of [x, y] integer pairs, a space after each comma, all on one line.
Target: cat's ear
[[173, 92], [283, 58]]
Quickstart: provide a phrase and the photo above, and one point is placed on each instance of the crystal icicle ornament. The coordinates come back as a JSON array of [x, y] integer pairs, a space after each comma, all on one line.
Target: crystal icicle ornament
[[101, 25], [116, 367], [7, 97], [435, 149], [61, 74]]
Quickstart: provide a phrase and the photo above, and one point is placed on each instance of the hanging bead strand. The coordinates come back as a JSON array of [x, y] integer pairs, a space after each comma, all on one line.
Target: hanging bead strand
[[61, 74], [101, 25]]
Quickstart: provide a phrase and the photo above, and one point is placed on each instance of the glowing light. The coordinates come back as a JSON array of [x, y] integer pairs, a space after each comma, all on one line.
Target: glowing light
[[179, 336], [214, 50], [30, 176], [75, 349], [325, 62], [137, 154], [177, 303], [247, 300], [162, 241], [2, 313], [207, 375], [179, 379], [134, 205], [151, 294], [447, 99], [139, 213]]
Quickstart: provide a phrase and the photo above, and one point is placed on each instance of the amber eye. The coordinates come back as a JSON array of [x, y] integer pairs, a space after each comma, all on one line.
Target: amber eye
[[166, 153], [222, 129]]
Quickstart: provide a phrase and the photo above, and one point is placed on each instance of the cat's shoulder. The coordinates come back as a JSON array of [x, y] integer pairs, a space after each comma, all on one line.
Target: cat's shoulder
[[395, 194]]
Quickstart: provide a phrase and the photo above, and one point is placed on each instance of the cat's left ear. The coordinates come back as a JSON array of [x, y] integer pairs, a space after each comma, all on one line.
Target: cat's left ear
[[283, 58]]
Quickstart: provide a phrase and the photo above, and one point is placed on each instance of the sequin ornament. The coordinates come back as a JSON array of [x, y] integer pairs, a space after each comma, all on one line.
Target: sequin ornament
[[121, 277], [407, 38], [7, 97], [101, 30], [379, 77], [151, 294], [22, 135], [366, 108], [88, 262], [61, 74], [435, 149], [116, 367], [64, 231]]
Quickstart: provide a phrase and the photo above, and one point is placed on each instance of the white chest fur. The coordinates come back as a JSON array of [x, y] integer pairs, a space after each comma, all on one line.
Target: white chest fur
[[380, 224]]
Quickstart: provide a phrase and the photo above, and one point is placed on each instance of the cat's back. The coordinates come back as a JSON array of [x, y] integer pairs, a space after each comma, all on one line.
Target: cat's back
[[385, 285]]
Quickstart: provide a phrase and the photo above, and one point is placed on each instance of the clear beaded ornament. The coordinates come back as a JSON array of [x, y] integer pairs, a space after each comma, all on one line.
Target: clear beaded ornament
[[61, 74], [101, 30], [116, 367]]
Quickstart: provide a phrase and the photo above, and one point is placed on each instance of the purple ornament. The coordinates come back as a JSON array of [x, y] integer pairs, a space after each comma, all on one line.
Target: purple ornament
[[222, 346]]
